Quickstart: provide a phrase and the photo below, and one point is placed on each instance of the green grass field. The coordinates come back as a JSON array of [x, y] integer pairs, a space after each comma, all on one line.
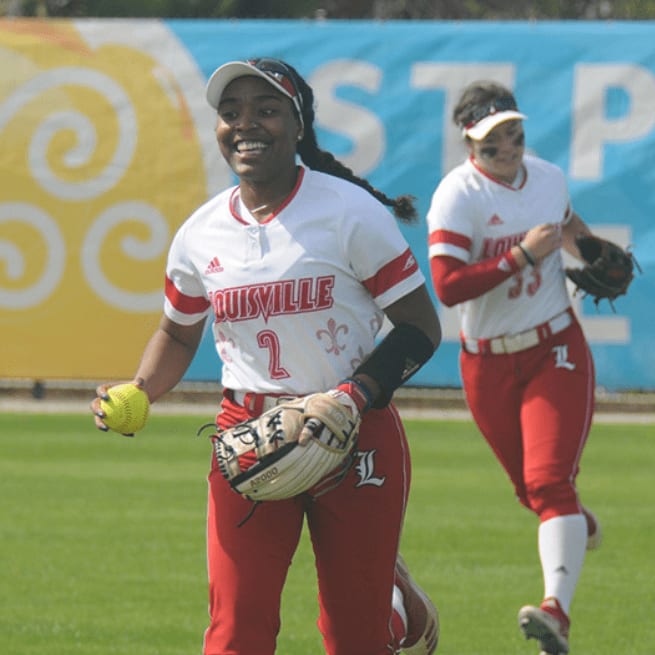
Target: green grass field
[[102, 542]]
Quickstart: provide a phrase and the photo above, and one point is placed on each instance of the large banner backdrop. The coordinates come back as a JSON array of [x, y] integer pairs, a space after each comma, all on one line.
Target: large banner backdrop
[[107, 145]]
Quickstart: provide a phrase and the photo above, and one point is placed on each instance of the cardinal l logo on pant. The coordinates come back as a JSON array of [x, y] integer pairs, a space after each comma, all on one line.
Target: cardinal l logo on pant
[[562, 358], [366, 469]]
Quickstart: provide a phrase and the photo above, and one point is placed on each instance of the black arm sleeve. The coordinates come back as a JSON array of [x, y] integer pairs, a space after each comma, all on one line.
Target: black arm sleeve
[[395, 359]]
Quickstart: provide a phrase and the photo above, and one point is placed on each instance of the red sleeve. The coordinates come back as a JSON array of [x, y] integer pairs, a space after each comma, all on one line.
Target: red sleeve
[[454, 281]]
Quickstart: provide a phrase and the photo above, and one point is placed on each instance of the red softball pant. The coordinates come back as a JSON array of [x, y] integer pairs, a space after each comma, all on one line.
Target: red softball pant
[[534, 408], [354, 528]]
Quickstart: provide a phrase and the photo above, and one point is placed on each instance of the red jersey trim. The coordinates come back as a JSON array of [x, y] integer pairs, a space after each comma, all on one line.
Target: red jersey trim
[[390, 274], [235, 212], [496, 180], [451, 238], [233, 206], [185, 304]]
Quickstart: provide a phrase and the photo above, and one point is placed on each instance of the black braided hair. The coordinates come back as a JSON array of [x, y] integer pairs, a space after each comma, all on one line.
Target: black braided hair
[[324, 161]]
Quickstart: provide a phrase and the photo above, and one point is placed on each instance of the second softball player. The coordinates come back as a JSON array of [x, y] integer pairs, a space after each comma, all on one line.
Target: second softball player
[[496, 226]]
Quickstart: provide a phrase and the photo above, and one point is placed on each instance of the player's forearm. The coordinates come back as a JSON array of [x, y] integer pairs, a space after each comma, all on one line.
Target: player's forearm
[[416, 308], [410, 344], [166, 358], [575, 227]]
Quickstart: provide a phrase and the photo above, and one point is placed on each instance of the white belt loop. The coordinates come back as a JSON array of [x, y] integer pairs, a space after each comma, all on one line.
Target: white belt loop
[[239, 397], [512, 343]]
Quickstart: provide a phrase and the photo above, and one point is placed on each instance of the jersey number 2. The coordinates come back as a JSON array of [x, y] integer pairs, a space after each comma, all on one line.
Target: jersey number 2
[[268, 339]]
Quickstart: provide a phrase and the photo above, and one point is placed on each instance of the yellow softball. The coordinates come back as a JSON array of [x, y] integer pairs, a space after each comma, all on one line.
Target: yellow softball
[[127, 409]]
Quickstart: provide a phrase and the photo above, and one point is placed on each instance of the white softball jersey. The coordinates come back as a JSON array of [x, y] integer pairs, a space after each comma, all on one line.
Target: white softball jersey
[[474, 217], [296, 301]]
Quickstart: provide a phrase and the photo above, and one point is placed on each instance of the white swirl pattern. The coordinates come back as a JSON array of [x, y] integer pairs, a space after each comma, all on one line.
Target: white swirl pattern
[[78, 191], [81, 125], [154, 247], [53, 270]]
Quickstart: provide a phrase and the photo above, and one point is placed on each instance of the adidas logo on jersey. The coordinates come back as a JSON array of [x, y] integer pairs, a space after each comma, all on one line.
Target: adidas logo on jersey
[[503, 265], [495, 220], [214, 266], [410, 263]]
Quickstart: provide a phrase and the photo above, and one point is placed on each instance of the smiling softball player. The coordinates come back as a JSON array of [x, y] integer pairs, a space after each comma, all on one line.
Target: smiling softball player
[[297, 266]]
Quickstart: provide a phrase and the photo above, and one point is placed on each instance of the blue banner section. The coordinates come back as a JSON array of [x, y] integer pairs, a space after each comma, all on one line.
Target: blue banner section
[[385, 92], [107, 144]]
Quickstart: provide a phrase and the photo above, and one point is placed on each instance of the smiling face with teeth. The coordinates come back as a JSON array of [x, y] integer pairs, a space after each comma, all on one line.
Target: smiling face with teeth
[[257, 133]]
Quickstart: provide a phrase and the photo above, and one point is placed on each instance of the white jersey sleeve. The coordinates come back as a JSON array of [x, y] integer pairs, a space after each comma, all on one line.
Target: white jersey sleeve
[[186, 300]]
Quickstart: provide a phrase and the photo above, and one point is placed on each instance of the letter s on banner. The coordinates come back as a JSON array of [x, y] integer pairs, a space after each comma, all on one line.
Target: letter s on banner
[[365, 129]]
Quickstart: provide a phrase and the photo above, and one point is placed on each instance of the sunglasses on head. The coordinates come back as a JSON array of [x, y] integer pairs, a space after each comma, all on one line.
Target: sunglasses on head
[[283, 76], [504, 103]]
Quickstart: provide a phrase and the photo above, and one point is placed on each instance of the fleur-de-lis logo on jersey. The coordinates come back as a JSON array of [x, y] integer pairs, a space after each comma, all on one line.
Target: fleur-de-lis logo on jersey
[[356, 361], [366, 469], [224, 343], [332, 334], [376, 323]]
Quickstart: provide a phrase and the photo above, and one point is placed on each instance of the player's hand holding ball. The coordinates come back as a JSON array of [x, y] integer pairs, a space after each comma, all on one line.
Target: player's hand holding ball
[[123, 408]]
